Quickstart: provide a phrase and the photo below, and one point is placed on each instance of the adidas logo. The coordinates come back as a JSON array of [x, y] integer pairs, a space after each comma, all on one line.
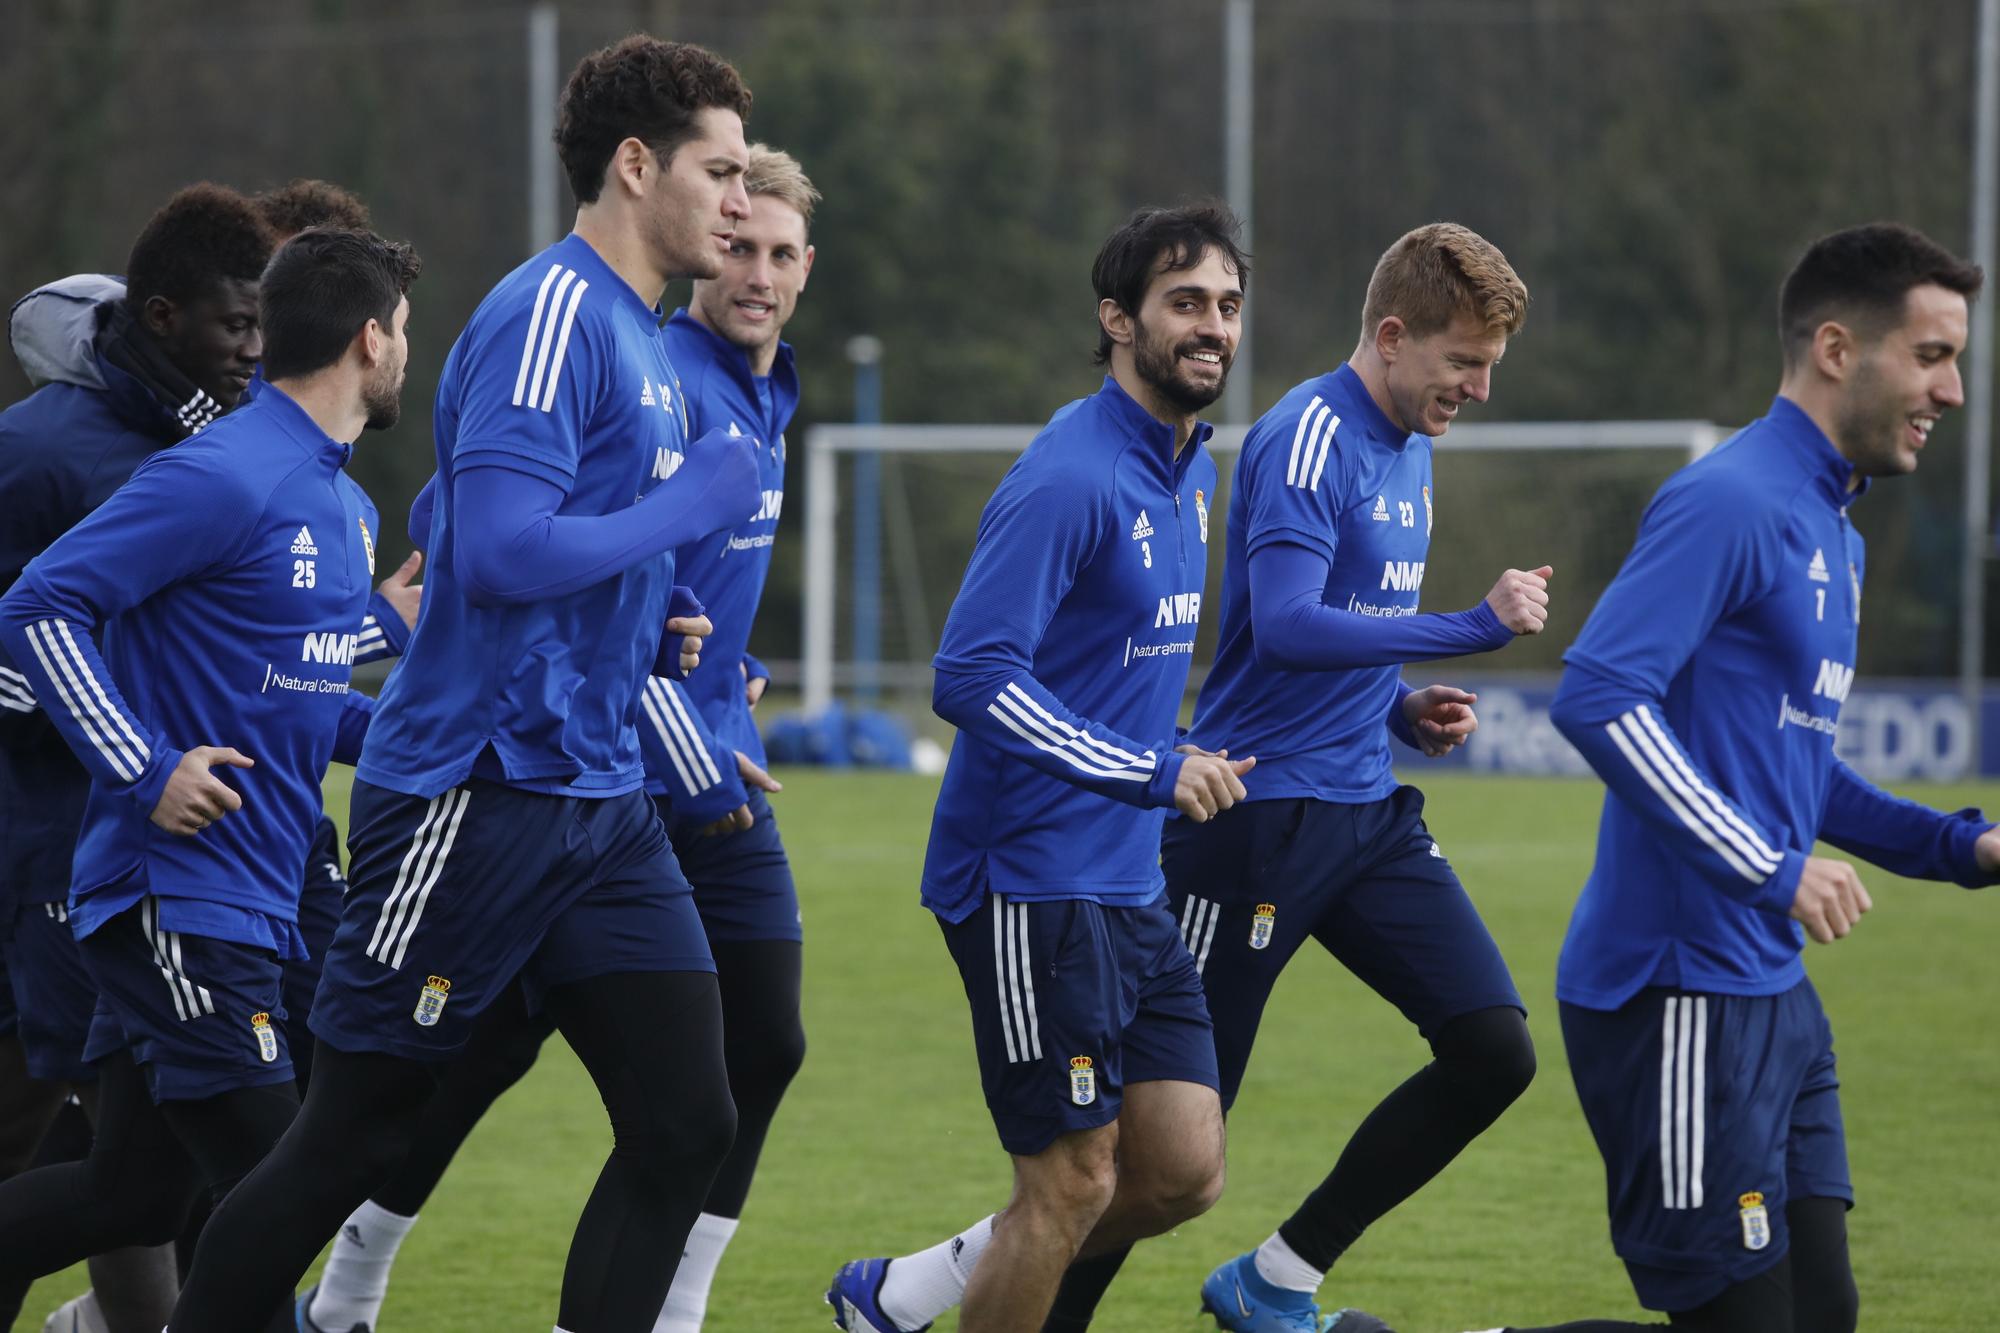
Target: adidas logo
[[1381, 514], [353, 1234], [1816, 571], [303, 545], [646, 398], [1142, 527], [734, 433]]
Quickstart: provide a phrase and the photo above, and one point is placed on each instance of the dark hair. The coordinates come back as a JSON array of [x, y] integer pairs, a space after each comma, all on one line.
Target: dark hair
[[322, 288], [641, 88], [1125, 265], [1862, 277], [205, 235], [303, 203]]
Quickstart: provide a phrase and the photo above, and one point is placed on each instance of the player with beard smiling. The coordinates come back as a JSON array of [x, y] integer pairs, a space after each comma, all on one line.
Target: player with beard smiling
[[1063, 664]]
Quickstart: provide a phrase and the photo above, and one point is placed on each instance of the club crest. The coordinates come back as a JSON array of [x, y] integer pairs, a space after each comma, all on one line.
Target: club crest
[[1082, 1080], [1261, 925], [267, 1040], [430, 1004], [1201, 513], [1756, 1221], [367, 544]]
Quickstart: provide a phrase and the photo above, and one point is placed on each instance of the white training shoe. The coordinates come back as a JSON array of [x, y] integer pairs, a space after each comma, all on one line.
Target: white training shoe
[[78, 1315]]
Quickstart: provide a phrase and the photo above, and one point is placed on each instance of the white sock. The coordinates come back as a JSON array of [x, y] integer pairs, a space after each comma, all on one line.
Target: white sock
[[687, 1302], [356, 1277], [1279, 1264], [922, 1286]]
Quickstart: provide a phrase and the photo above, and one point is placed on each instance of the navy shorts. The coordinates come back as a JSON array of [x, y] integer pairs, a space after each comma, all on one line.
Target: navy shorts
[[450, 899], [742, 881], [200, 1016], [1367, 881], [320, 898], [53, 995], [1712, 1113], [1071, 1002]]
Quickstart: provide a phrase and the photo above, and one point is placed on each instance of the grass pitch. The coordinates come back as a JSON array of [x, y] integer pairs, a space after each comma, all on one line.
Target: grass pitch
[[884, 1145]]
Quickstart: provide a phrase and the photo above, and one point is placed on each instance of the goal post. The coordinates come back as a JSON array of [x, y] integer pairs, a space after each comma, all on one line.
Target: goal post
[[827, 445]]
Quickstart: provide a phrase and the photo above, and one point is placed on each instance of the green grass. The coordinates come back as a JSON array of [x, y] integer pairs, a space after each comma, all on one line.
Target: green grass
[[884, 1144]]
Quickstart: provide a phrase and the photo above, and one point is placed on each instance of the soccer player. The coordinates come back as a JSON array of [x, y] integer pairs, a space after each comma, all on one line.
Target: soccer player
[[1701, 1054], [499, 830], [1329, 528], [123, 371], [1063, 663], [704, 769], [184, 886], [53, 330]]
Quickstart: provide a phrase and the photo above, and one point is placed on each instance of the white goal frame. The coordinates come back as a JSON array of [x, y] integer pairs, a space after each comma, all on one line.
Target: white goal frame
[[826, 443]]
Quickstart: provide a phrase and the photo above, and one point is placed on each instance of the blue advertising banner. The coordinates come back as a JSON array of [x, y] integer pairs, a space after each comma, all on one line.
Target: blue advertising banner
[[1890, 731]]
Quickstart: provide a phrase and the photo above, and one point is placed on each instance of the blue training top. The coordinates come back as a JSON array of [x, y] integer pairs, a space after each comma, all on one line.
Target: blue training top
[[692, 730], [246, 550], [1705, 690], [561, 377], [1325, 471], [1063, 662]]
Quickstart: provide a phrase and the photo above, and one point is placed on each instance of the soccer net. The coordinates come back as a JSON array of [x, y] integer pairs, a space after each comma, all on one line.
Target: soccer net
[[892, 510]]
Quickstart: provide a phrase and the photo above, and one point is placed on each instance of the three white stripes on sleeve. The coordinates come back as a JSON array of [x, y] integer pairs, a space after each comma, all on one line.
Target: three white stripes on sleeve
[[108, 729], [1310, 445], [1019, 713], [669, 716], [535, 383], [1647, 746]]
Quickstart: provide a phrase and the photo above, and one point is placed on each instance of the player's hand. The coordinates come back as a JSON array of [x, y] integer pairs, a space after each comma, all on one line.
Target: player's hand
[[753, 686], [1521, 600], [1830, 899], [195, 797], [1441, 718], [402, 594], [1987, 850], [693, 629], [754, 776], [1209, 783]]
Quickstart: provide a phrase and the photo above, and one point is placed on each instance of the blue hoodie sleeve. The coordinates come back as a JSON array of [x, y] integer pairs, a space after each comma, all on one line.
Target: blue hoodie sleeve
[[356, 709], [1399, 726], [514, 546], [156, 530], [383, 633], [1902, 836], [420, 514], [1702, 551], [755, 670], [1295, 630], [1039, 529], [679, 750]]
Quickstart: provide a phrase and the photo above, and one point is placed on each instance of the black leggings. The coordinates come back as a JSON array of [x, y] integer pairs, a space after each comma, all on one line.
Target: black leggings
[[1484, 1060], [652, 1042], [147, 1166], [1809, 1290], [766, 1043]]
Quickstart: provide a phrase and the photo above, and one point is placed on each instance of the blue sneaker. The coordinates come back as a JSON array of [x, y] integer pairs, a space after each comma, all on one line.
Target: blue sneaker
[[302, 1315], [856, 1298], [1241, 1301]]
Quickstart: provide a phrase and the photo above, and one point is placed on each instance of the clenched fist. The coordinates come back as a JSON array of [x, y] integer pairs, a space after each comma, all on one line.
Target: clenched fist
[[1521, 600]]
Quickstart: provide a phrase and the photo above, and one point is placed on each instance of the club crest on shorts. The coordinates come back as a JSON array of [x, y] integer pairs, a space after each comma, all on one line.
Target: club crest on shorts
[[1261, 924], [367, 544], [430, 1004], [1201, 512], [267, 1040], [1082, 1080], [1756, 1221]]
